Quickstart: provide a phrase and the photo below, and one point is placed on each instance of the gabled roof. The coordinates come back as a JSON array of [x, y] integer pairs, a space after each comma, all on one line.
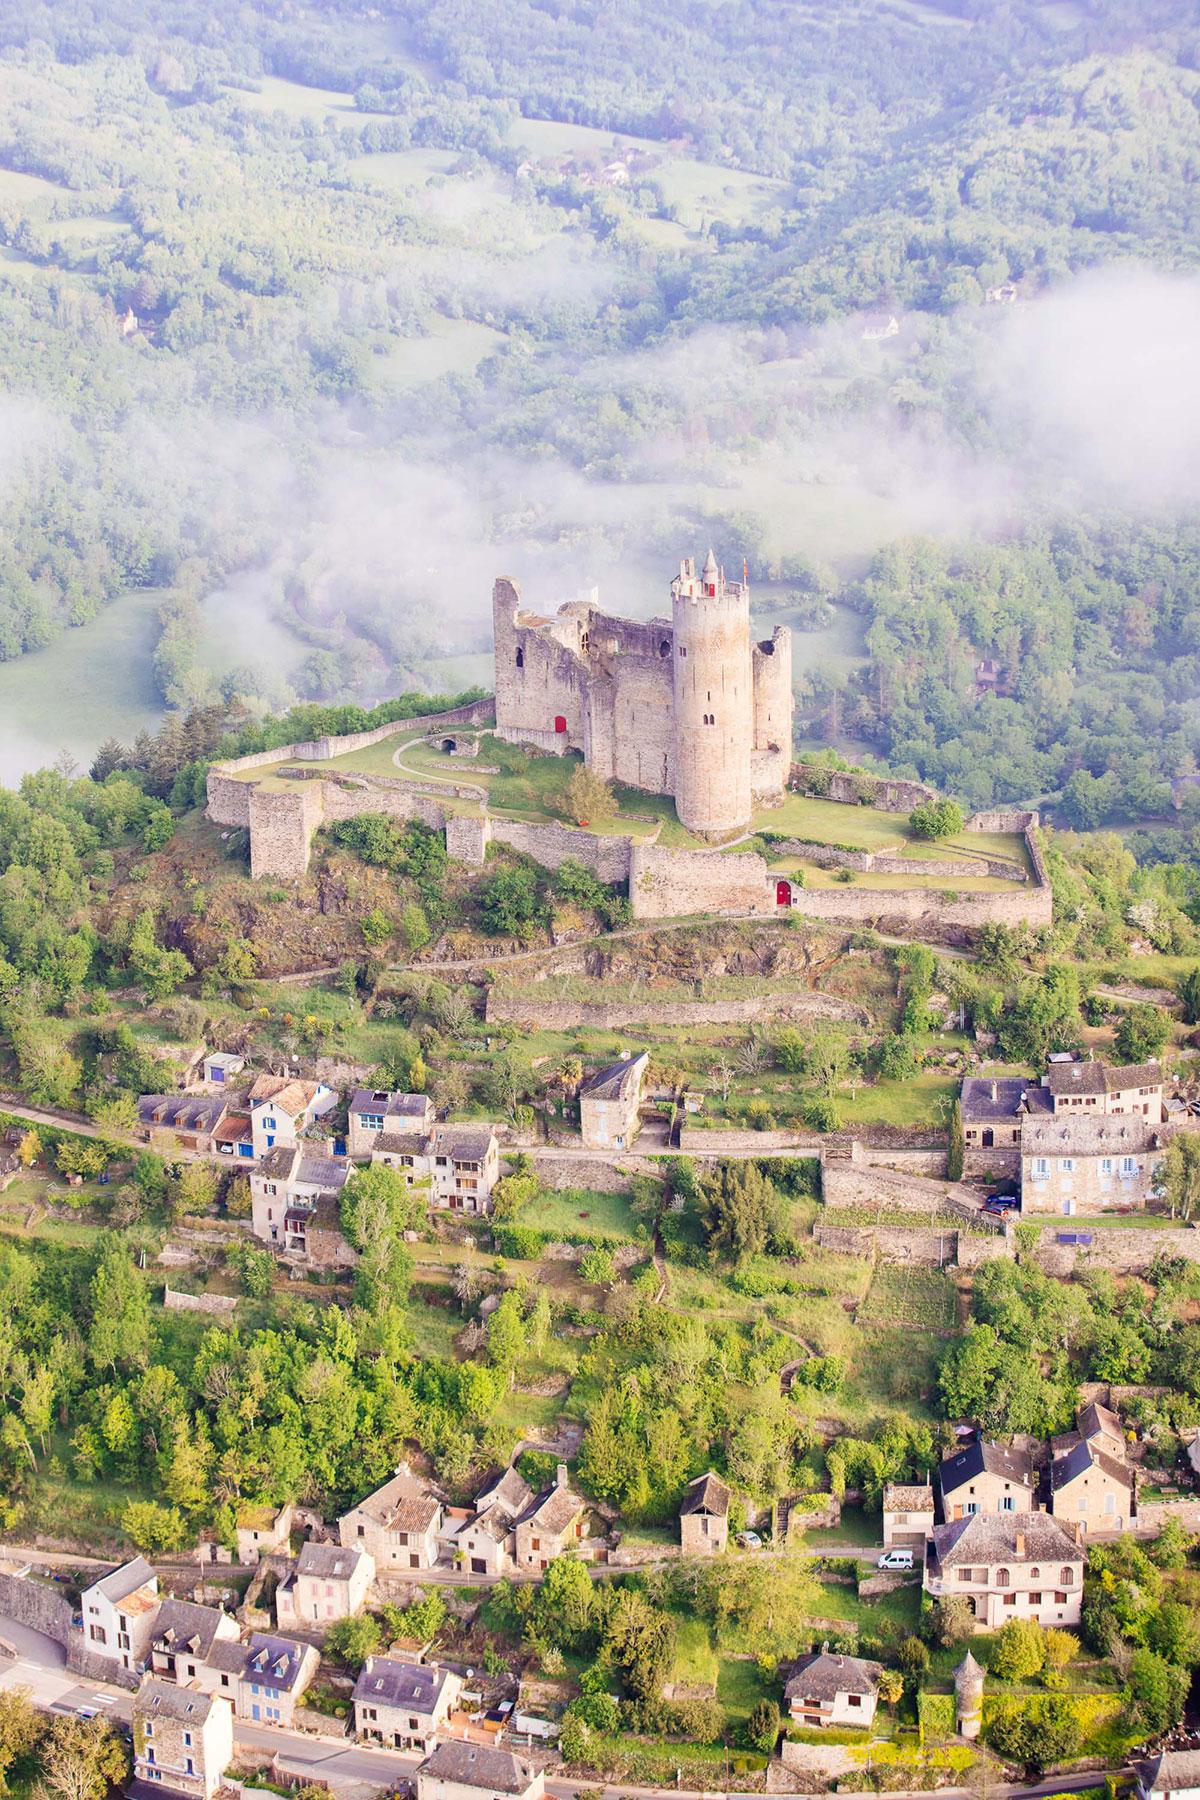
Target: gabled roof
[[402, 1143], [278, 1164], [1084, 1456], [182, 1625], [322, 1171], [328, 1562], [182, 1112], [707, 1494], [1100, 1421], [1170, 1772], [232, 1127], [492, 1770], [392, 1106], [823, 1676], [415, 1686], [619, 1081], [987, 1540], [279, 1661], [993, 1096], [120, 1583], [554, 1510], [162, 1699], [466, 1143], [405, 1503], [1101, 1078], [980, 1458], [509, 1493]]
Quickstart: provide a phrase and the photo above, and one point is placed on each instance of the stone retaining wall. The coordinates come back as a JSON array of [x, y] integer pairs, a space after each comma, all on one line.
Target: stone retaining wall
[[201, 1303], [567, 1015], [895, 911], [694, 1141], [1152, 1515], [665, 884], [934, 1249], [553, 845], [578, 1172], [1127, 1251], [831, 856]]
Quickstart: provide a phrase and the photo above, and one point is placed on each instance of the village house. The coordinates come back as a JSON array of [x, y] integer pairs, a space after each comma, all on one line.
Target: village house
[[261, 1530], [609, 1103], [460, 1163], [991, 1114], [552, 1524], [233, 1138], [1009, 1566], [879, 326], [1090, 1485], [182, 1738], [375, 1111], [403, 1705], [457, 1771], [265, 1679], [486, 1542], [826, 1690], [170, 1122], [119, 1613], [907, 1516], [704, 1516], [1088, 1164], [326, 1582], [399, 1523], [281, 1107], [986, 1478], [183, 1638], [294, 1205], [1172, 1775]]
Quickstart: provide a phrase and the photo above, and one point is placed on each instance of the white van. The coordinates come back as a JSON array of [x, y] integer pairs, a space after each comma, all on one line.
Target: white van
[[895, 1559]]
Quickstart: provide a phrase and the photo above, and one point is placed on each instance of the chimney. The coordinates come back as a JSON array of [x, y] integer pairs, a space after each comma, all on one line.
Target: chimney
[[560, 1476], [369, 1664], [1020, 1543], [993, 1090]]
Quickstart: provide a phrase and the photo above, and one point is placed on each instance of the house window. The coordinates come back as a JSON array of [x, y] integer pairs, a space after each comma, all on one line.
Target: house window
[[1066, 1578], [1003, 1578], [683, 649], [1128, 1167], [1060, 1599], [1106, 1165], [413, 1725], [854, 1699], [1110, 1503], [1066, 1165], [1041, 1168], [1035, 1599], [1007, 1503]]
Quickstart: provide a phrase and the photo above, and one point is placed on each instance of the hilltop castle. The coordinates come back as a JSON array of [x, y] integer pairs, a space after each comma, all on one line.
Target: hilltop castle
[[685, 706]]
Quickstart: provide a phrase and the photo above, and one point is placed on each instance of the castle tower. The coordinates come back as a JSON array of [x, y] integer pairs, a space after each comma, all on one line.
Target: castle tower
[[968, 1697], [714, 698]]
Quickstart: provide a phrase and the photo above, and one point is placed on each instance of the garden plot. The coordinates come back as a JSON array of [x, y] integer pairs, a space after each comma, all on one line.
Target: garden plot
[[912, 1296]]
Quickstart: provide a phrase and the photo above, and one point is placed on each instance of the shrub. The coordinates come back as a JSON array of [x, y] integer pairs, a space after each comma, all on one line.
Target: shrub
[[936, 819], [821, 1113], [1019, 1650]]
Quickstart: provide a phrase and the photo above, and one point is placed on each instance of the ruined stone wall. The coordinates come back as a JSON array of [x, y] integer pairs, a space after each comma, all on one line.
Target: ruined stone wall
[[201, 1303], [228, 800], [567, 1015], [476, 712], [666, 884], [889, 794], [695, 1141], [551, 845], [1013, 822], [467, 837], [897, 910], [832, 856]]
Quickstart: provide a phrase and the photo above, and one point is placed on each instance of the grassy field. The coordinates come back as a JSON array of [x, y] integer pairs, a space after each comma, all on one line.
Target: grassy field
[[921, 1101], [583, 1211], [19, 189], [93, 681], [452, 347], [912, 1296], [403, 170], [874, 882], [299, 102]]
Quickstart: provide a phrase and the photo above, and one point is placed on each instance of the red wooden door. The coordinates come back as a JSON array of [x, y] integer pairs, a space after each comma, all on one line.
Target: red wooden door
[[783, 893]]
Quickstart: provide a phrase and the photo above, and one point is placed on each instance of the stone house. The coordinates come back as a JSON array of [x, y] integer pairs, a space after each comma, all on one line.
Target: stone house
[[294, 1205], [609, 1103], [282, 1107], [261, 1530], [1009, 1566], [552, 1524], [486, 1541], [878, 326], [184, 1636], [182, 1739], [457, 1771], [1087, 1164], [221, 1067], [170, 1122], [825, 1690], [986, 1478], [1172, 1775], [1092, 1089], [461, 1163], [1089, 1484], [326, 1582], [119, 1613], [403, 1705], [704, 1516], [398, 1524], [907, 1516], [992, 1111], [265, 1678], [375, 1111]]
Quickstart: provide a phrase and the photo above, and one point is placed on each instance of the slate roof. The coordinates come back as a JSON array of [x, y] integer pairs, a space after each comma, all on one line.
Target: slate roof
[[279, 1163], [1085, 1456], [465, 1143], [322, 1171], [120, 1583], [983, 1458], [897, 1497], [617, 1082], [823, 1677], [236, 1126], [182, 1112], [415, 1687], [993, 1096], [327, 1562], [182, 1625], [1168, 1773], [1100, 1421], [1101, 1078], [985, 1540], [405, 1503], [402, 1143], [1092, 1134], [162, 1699], [509, 1492], [480, 1766], [707, 1494], [278, 1661], [392, 1106], [554, 1510]]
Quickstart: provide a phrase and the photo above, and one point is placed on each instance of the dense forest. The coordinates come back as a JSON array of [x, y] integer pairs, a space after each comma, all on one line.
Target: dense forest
[[310, 320]]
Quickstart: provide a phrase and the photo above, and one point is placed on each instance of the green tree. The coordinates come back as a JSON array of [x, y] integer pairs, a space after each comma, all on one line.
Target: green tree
[[1189, 995], [597, 1267], [1035, 1734], [953, 1620], [376, 926], [1019, 1650], [1178, 1175], [936, 819], [1155, 1694], [156, 1530], [351, 1641], [81, 1759], [740, 1211], [763, 1727], [956, 1144], [510, 904], [1142, 1033]]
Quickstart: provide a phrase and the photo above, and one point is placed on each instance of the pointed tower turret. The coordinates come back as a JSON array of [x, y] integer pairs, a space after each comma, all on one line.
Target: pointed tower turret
[[968, 1697]]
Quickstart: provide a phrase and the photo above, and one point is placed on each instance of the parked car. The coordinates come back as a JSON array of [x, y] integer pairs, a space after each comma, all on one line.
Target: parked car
[[895, 1559], [999, 1204], [749, 1540]]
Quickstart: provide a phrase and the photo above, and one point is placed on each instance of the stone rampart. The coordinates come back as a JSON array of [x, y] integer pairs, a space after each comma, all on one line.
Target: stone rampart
[[1011, 822], [897, 911], [552, 845], [867, 862], [568, 1015], [666, 884], [282, 822]]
